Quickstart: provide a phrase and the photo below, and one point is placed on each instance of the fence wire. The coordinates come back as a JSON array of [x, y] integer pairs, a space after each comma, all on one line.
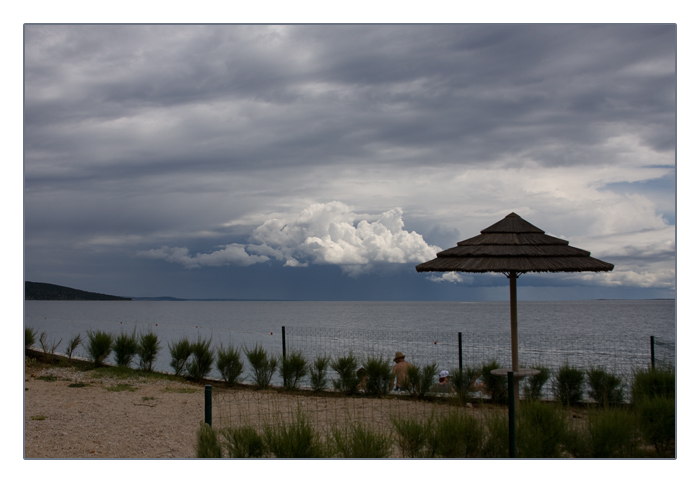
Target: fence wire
[[620, 356], [232, 408]]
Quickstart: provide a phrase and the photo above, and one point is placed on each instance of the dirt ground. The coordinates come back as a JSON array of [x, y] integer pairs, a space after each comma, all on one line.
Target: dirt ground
[[69, 413], [108, 418]]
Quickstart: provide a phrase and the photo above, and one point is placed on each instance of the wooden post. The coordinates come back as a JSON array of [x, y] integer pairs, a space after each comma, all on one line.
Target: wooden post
[[514, 335]]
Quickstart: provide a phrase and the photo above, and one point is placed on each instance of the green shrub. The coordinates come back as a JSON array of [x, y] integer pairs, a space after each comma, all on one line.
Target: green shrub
[[125, 348], [73, 344], [293, 369], [296, 439], [534, 384], [657, 422], [319, 371], [48, 347], [457, 434], [496, 386], [229, 364], [648, 383], [243, 442], [202, 359], [207, 445], [462, 380], [346, 367], [147, 350], [263, 366], [180, 352], [29, 337], [568, 385], [496, 442], [99, 346], [421, 379], [360, 441], [540, 430], [412, 436], [379, 376], [610, 432], [605, 387]]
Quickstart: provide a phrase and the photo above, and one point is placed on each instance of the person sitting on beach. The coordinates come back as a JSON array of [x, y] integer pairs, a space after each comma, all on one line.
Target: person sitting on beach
[[444, 385], [362, 378], [399, 372]]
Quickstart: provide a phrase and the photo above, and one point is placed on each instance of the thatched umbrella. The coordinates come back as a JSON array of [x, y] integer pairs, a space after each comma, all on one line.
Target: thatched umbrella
[[513, 246]]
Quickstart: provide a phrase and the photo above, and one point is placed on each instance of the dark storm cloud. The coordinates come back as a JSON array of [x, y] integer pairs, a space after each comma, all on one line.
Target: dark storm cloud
[[225, 97]]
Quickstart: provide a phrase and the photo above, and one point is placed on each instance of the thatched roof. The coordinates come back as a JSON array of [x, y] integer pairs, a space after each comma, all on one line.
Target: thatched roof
[[513, 244]]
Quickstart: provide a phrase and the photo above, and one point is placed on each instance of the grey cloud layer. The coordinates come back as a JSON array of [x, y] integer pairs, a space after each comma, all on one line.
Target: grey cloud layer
[[200, 144], [225, 97]]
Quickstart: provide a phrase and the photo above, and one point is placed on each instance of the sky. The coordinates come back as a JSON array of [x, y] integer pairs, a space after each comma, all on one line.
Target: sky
[[324, 162]]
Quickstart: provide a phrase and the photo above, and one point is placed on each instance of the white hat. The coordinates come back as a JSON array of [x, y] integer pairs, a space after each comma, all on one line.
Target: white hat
[[443, 373]]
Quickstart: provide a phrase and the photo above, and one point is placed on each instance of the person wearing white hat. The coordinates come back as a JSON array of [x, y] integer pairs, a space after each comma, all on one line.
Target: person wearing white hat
[[444, 385]]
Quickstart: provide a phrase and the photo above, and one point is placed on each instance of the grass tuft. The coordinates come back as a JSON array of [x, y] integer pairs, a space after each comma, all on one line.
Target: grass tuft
[[125, 348], [180, 352], [360, 441], [532, 389], [377, 377], [229, 364], [202, 359], [207, 445], [296, 439], [605, 387], [411, 436], [99, 346], [121, 388], [319, 373], [263, 366], [421, 379], [243, 442], [29, 337], [73, 344], [346, 367], [568, 385], [293, 369], [147, 350]]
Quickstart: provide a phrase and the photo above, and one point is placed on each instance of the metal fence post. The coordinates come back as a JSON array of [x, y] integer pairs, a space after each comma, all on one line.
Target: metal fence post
[[284, 343], [207, 404], [459, 339], [511, 415], [653, 356], [284, 353]]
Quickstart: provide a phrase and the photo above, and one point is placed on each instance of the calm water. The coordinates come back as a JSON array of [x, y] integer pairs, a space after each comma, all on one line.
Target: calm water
[[541, 325]]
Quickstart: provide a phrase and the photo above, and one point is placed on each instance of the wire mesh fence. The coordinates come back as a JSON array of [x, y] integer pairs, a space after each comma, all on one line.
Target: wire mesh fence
[[260, 408], [621, 356], [451, 351]]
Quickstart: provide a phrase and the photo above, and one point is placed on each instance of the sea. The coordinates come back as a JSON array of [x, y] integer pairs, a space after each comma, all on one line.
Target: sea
[[612, 333]]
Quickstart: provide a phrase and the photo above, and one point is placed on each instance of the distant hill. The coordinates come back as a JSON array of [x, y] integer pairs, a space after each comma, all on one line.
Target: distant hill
[[48, 291]]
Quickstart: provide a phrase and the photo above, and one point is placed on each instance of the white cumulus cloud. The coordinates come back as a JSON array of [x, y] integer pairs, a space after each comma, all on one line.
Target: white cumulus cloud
[[323, 233], [233, 254], [331, 233], [451, 277]]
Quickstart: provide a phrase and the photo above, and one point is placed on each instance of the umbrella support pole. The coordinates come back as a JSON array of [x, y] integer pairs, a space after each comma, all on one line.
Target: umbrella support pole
[[513, 276]]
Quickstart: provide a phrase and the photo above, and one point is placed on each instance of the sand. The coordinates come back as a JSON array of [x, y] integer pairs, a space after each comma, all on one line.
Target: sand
[[155, 419], [158, 418]]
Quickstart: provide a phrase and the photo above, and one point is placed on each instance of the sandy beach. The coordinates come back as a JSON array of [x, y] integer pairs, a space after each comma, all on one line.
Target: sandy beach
[[69, 413], [108, 417]]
